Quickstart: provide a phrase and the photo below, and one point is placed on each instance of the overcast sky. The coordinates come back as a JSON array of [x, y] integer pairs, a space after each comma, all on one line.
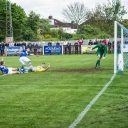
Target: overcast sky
[[54, 7]]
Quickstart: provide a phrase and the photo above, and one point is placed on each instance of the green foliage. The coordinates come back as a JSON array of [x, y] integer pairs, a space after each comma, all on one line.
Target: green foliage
[[54, 33], [78, 36], [2, 19], [19, 19], [115, 10], [102, 26], [33, 21], [44, 26], [125, 23], [38, 25], [88, 29], [60, 34], [103, 16], [51, 39], [28, 34], [88, 32], [47, 36], [103, 35], [66, 36], [99, 22]]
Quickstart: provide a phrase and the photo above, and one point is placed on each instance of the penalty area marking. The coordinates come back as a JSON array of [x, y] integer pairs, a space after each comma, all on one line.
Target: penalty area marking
[[88, 107]]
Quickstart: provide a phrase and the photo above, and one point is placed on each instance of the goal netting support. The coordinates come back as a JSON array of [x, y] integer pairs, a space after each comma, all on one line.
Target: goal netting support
[[120, 48]]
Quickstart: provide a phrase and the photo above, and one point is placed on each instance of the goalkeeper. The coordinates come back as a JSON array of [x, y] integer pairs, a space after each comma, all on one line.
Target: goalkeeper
[[101, 52], [41, 68]]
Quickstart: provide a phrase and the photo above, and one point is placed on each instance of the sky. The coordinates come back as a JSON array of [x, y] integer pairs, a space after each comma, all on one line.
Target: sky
[[54, 7]]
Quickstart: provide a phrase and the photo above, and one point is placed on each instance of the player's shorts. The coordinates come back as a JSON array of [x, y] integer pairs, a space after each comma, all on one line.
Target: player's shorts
[[9, 70], [99, 54], [24, 60]]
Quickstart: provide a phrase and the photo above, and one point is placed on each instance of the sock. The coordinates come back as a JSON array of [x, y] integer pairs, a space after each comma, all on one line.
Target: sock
[[98, 63], [17, 69], [21, 70]]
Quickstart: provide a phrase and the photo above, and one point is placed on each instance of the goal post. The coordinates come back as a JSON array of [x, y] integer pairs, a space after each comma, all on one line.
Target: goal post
[[120, 47]]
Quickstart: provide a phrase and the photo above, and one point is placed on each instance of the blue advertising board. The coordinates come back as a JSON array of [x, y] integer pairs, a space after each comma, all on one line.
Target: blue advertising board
[[13, 50], [50, 50]]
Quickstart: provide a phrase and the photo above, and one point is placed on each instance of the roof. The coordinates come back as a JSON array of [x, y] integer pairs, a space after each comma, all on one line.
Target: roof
[[57, 23]]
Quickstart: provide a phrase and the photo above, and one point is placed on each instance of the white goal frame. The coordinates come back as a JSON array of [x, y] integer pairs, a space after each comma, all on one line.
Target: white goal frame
[[123, 29]]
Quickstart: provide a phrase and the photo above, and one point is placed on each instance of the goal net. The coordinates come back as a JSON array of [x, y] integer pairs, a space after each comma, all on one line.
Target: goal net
[[120, 48]]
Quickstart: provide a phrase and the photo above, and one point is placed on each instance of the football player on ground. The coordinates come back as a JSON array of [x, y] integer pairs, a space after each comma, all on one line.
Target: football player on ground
[[9, 70], [41, 68]]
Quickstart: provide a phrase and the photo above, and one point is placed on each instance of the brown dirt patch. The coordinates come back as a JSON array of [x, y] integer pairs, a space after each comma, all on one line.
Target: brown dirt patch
[[81, 70]]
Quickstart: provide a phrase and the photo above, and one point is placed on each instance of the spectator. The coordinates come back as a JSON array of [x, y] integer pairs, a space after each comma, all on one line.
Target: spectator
[[69, 47], [95, 42], [109, 47], [105, 41], [76, 45], [2, 48], [81, 42], [35, 50], [49, 43], [57, 44], [113, 46], [90, 42], [65, 46]]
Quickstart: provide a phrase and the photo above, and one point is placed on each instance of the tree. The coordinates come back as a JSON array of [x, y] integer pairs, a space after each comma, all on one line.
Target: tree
[[33, 21], [19, 19], [75, 12], [87, 29], [2, 19], [28, 34], [125, 23], [44, 26], [96, 14], [38, 25], [114, 10], [96, 18], [103, 16]]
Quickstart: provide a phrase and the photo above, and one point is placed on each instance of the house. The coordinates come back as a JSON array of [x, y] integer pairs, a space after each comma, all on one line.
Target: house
[[67, 27]]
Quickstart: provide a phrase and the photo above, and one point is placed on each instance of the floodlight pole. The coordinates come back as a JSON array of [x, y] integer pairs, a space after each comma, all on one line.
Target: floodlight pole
[[115, 47], [9, 28]]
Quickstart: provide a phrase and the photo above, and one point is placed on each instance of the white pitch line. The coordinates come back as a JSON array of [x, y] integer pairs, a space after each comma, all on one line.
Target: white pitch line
[[88, 107]]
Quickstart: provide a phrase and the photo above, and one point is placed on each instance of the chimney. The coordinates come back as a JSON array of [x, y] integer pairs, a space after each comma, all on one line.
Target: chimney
[[50, 17]]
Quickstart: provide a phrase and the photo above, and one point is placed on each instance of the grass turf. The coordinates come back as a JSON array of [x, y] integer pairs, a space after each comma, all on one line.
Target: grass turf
[[54, 99]]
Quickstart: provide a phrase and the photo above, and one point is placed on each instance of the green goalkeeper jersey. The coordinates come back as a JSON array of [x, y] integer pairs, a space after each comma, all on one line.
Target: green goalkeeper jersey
[[102, 49]]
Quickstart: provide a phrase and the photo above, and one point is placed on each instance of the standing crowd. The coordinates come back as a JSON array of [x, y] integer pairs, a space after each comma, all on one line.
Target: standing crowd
[[35, 48], [68, 47]]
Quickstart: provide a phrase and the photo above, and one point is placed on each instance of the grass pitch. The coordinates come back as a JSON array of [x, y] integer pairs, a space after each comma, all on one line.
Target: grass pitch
[[54, 99]]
